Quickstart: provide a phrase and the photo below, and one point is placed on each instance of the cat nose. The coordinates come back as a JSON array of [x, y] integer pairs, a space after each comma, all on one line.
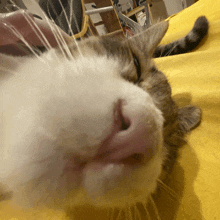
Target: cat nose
[[132, 141]]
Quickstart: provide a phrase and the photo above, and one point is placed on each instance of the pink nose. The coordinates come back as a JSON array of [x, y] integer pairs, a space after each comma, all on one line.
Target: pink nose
[[132, 140]]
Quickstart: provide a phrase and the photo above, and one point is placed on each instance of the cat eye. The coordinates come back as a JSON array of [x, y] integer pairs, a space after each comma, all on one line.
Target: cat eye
[[138, 68]]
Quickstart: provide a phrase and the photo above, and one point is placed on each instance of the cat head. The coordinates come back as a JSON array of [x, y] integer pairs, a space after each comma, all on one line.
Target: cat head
[[90, 124]]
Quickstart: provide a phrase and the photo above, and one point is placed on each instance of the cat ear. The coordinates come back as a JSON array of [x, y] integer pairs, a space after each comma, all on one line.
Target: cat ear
[[148, 40], [189, 118]]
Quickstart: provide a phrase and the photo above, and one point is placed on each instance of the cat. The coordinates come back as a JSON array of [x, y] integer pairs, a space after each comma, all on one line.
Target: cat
[[92, 123]]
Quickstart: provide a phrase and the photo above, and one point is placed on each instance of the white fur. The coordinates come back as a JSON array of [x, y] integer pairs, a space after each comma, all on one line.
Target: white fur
[[65, 107]]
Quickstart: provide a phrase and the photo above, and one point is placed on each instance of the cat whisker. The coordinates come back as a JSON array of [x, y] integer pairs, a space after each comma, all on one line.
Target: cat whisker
[[146, 211], [137, 213], [154, 207], [119, 214], [19, 36], [57, 33], [161, 53], [23, 48], [33, 25], [60, 40], [72, 15], [171, 50], [168, 189], [42, 38], [19, 45], [55, 30], [35, 28], [39, 33], [126, 214], [55, 12], [7, 9], [130, 213], [65, 15], [61, 25], [69, 26]]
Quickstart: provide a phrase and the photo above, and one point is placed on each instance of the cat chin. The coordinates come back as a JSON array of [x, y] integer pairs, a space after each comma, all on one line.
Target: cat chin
[[103, 186], [116, 185], [122, 185]]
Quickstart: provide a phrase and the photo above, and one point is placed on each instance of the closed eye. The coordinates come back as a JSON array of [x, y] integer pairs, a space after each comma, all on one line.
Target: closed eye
[[138, 68]]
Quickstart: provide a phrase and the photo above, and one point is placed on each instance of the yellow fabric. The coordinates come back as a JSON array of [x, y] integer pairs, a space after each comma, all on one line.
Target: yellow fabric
[[195, 79], [196, 76]]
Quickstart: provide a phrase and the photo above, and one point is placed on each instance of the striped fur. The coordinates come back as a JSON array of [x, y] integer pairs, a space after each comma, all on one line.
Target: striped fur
[[187, 43]]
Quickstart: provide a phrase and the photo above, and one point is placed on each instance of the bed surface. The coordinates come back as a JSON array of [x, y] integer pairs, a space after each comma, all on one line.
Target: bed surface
[[195, 79]]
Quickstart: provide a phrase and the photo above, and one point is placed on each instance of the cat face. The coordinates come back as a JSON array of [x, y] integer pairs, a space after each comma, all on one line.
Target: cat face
[[89, 124]]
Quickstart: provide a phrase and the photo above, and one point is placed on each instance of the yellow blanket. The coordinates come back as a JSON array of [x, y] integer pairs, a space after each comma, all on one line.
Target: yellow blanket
[[195, 78]]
